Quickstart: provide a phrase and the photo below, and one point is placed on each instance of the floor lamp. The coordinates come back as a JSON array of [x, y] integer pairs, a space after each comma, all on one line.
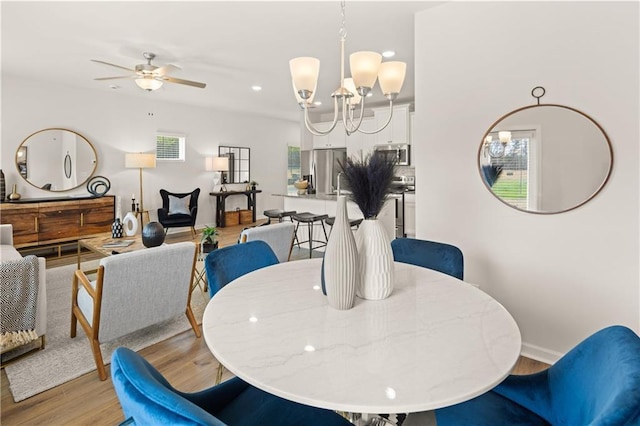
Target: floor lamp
[[219, 164], [140, 161]]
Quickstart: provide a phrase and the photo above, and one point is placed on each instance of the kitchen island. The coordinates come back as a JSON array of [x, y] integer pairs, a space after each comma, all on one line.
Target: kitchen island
[[326, 204]]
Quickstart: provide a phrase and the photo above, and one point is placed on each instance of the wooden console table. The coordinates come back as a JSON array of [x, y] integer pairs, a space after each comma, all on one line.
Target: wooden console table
[[221, 198]]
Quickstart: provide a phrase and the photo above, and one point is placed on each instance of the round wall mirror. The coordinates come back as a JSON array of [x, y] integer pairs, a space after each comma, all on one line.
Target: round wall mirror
[[56, 160], [545, 158]]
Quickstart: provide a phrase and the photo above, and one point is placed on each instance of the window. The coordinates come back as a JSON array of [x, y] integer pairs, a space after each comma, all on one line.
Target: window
[[170, 147], [293, 167]]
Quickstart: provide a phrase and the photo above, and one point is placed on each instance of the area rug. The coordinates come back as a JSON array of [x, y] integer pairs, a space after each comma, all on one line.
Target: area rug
[[64, 358]]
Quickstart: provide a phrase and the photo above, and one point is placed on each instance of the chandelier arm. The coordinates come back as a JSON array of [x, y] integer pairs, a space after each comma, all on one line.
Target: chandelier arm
[[384, 125], [349, 125], [312, 129]]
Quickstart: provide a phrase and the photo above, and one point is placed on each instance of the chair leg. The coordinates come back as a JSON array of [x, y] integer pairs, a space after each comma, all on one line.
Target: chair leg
[[193, 232], [219, 373], [295, 233], [97, 356], [310, 228], [193, 322]]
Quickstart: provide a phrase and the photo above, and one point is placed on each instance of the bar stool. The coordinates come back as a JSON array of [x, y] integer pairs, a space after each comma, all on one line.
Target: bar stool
[[352, 222], [310, 218], [278, 214]]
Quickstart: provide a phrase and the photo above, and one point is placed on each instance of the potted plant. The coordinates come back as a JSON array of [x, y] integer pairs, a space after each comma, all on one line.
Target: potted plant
[[253, 184], [209, 239], [369, 180]]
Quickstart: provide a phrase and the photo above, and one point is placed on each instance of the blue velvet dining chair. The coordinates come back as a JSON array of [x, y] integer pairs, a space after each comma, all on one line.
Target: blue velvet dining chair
[[440, 257], [597, 383], [228, 263], [147, 398]]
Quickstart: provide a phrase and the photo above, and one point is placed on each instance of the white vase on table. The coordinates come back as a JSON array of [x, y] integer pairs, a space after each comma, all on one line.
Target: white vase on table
[[130, 223], [375, 261], [341, 261]]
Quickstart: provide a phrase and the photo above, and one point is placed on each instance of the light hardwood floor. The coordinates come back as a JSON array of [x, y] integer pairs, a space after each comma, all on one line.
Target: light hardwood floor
[[183, 359]]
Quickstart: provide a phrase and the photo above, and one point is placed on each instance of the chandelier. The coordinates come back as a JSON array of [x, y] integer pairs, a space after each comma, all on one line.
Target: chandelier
[[366, 68]]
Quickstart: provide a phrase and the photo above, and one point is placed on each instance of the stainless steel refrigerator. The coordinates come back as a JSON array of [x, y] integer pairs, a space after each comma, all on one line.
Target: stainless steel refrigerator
[[323, 166]]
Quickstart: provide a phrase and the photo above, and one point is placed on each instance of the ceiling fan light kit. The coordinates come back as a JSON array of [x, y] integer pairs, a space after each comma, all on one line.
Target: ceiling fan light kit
[[150, 77], [366, 68]]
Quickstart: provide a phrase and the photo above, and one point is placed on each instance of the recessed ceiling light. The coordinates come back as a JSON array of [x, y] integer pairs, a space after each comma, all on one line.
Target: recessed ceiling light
[[388, 53], [317, 103], [256, 88], [370, 94]]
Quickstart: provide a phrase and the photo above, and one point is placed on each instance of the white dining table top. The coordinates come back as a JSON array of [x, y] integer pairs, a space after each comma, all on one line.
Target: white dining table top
[[434, 342]]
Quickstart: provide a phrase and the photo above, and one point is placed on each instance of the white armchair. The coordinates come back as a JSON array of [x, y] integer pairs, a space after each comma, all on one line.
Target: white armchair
[[132, 291], [279, 236], [8, 253]]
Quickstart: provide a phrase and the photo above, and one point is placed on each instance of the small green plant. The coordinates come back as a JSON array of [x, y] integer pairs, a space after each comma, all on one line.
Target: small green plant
[[209, 234], [253, 183]]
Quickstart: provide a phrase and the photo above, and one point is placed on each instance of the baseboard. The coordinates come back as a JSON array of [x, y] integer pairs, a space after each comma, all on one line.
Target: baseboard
[[540, 354]]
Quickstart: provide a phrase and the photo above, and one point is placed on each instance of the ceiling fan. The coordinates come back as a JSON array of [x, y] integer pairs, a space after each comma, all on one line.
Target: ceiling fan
[[150, 77]]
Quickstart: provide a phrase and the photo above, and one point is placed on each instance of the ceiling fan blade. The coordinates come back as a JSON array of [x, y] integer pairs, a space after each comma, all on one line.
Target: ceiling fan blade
[[113, 78], [166, 69], [113, 65], [181, 81]]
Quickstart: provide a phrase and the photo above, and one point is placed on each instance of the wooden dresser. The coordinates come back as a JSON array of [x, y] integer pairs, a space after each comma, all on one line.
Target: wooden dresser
[[45, 221]]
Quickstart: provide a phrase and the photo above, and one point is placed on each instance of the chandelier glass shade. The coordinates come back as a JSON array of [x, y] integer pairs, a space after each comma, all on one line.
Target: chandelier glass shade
[[148, 83], [366, 68]]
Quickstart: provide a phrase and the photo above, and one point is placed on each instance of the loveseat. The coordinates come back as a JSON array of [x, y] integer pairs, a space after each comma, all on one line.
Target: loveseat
[[8, 253]]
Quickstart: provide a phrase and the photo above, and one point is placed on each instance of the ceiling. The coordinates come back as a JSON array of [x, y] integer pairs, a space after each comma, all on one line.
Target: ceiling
[[228, 45]]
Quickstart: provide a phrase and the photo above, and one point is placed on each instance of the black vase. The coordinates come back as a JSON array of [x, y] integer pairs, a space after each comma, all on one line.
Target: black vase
[[3, 186], [152, 234], [117, 229]]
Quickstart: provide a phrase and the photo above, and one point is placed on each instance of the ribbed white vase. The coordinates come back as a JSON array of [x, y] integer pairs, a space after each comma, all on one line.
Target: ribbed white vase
[[130, 223], [375, 260], [341, 261]]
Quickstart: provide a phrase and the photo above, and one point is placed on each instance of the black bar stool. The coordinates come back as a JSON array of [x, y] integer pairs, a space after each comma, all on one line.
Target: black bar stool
[[278, 214], [310, 218], [352, 222]]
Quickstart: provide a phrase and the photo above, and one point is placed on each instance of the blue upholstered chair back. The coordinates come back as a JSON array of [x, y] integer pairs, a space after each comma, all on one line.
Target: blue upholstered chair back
[[440, 257], [147, 398], [228, 263]]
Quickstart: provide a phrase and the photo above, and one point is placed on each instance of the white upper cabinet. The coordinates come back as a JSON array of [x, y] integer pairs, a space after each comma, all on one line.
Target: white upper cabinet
[[398, 130], [360, 144], [336, 139]]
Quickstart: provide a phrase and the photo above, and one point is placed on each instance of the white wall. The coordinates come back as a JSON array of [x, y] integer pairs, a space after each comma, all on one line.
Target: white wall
[[561, 276], [116, 124]]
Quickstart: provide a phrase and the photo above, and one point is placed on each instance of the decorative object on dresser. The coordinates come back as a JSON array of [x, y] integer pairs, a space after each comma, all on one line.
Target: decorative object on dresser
[[340, 264], [370, 180], [14, 196], [117, 229], [98, 186], [140, 161], [218, 164], [152, 234], [130, 223]]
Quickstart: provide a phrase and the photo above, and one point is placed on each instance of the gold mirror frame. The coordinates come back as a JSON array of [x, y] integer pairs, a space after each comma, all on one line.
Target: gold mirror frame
[[85, 167], [491, 170]]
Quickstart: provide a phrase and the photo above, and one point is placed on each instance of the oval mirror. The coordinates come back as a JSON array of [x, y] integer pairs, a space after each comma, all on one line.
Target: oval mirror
[[56, 159], [545, 158]]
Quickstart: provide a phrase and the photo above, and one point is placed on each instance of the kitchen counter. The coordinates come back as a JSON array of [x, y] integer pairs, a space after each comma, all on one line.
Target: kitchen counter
[[326, 197]]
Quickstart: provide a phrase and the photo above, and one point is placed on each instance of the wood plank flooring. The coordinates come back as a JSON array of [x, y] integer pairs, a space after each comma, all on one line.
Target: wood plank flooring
[[183, 359]]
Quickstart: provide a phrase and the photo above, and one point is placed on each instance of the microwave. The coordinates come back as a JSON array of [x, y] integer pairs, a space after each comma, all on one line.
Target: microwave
[[399, 152]]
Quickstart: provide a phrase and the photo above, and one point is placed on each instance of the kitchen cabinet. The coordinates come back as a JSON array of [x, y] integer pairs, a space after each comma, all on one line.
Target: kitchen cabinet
[[336, 139], [38, 222], [360, 144], [398, 130]]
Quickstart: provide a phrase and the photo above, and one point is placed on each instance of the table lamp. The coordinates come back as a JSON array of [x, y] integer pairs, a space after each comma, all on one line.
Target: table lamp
[[219, 164], [140, 161]]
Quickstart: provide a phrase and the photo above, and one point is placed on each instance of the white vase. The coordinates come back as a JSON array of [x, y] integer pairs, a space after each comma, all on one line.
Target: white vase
[[375, 260], [341, 261], [130, 223]]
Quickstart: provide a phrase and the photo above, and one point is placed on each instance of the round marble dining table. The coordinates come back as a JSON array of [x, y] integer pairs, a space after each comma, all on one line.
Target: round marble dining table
[[434, 342]]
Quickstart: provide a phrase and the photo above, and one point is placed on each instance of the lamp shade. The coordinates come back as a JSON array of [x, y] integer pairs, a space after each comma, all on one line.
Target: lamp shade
[[391, 76], [364, 68], [304, 72], [504, 136], [148, 83], [140, 160], [299, 99], [217, 164]]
